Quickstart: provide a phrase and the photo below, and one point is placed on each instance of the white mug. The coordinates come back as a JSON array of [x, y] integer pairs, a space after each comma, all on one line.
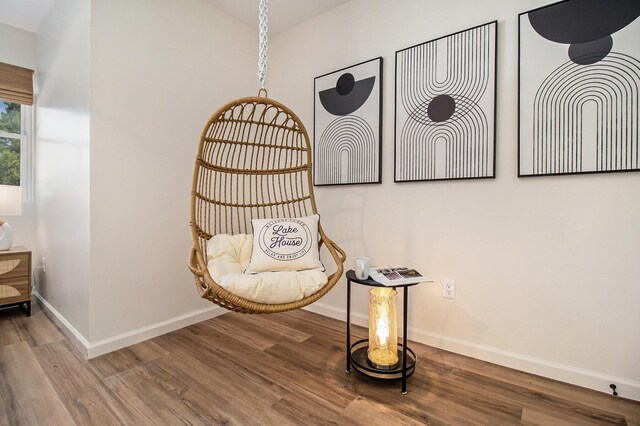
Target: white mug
[[362, 268]]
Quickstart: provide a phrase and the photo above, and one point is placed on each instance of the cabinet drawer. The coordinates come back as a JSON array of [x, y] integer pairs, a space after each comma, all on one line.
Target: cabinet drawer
[[14, 265], [14, 291]]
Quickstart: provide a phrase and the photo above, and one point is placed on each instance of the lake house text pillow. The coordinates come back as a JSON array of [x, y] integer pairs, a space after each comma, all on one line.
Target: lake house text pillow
[[289, 244]]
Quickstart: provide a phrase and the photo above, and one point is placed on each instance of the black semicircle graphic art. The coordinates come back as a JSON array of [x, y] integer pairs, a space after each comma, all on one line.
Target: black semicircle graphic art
[[346, 98], [586, 25], [582, 21]]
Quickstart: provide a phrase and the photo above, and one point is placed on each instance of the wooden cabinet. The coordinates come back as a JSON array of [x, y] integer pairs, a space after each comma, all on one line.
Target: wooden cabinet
[[15, 278]]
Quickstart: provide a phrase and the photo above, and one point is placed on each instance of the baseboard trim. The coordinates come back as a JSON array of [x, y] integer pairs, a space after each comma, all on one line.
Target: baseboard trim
[[76, 338], [565, 373], [91, 350], [129, 338]]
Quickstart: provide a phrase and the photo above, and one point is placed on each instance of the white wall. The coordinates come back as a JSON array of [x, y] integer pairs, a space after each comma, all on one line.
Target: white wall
[[18, 47], [547, 268], [160, 68], [62, 168]]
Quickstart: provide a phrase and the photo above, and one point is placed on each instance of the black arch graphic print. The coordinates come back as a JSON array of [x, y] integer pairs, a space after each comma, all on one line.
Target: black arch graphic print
[[447, 107], [579, 88], [346, 152], [611, 85], [459, 149], [348, 125]]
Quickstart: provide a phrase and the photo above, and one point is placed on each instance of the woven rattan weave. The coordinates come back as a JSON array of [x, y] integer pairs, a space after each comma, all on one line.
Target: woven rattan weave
[[254, 161]]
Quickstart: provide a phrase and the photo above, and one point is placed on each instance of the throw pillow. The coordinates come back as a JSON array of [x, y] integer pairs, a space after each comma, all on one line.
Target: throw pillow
[[285, 244]]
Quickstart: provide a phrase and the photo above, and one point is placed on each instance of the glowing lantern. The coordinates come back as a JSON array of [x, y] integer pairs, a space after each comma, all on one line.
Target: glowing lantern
[[383, 328]]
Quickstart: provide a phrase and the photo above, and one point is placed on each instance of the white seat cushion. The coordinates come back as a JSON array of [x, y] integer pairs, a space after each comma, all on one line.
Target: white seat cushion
[[227, 258]]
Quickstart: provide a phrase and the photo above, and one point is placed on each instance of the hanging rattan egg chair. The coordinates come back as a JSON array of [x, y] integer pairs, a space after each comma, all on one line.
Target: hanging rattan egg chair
[[254, 161]]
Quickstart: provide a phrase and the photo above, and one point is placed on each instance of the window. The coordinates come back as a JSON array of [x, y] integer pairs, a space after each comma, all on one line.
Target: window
[[12, 137], [16, 128]]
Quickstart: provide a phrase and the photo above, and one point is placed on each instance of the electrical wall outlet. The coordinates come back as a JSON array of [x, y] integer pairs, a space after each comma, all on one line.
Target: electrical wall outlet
[[44, 264], [449, 288]]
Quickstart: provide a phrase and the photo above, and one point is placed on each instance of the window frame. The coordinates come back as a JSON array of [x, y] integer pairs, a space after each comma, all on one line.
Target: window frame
[[27, 150]]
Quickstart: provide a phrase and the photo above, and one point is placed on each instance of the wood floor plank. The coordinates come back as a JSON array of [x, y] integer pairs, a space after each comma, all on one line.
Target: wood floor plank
[[152, 402], [314, 324], [308, 317], [257, 341], [431, 401], [333, 331], [320, 357], [37, 330], [367, 413], [235, 402], [276, 329], [536, 418], [81, 391], [281, 369], [126, 359], [466, 385], [307, 411], [213, 408], [542, 389], [198, 363], [144, 352], [26, 396], [304, 387], [111, 364], [9, 332], [330, 368], [522, 397], [198, 360]]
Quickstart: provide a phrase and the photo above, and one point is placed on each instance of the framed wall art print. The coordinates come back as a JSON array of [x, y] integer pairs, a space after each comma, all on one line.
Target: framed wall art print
[[579, 77], [348, 125], [445, 107]]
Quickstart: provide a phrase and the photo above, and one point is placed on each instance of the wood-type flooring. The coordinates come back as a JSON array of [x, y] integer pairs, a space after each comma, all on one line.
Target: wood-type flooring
[[280, 369]]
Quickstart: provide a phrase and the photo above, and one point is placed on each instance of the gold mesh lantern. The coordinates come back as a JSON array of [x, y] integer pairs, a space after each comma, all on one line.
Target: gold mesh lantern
[[383, 327]]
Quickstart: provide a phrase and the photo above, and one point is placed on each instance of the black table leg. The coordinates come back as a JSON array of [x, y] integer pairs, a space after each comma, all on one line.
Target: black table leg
[[26, 307], [404, 341], [348, 326]]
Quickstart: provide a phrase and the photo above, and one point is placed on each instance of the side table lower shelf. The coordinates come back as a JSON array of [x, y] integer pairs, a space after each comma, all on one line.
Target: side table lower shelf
[[359, 361]]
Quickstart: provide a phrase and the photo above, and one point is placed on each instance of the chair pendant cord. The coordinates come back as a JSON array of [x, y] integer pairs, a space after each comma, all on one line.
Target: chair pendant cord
[[262, 55]]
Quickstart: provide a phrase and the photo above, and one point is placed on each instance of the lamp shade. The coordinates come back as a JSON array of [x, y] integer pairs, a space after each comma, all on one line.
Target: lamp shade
[[10, 200]]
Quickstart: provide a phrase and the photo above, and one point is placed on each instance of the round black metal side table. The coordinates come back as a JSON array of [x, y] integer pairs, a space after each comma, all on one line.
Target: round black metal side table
[[357, 352]]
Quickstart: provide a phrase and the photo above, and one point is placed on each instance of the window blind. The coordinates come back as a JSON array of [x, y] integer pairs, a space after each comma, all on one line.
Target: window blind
[[16, 84]]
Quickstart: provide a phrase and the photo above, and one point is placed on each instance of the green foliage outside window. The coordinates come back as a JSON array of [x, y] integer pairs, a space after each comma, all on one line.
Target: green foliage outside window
[[9, 147], [10, 117]]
